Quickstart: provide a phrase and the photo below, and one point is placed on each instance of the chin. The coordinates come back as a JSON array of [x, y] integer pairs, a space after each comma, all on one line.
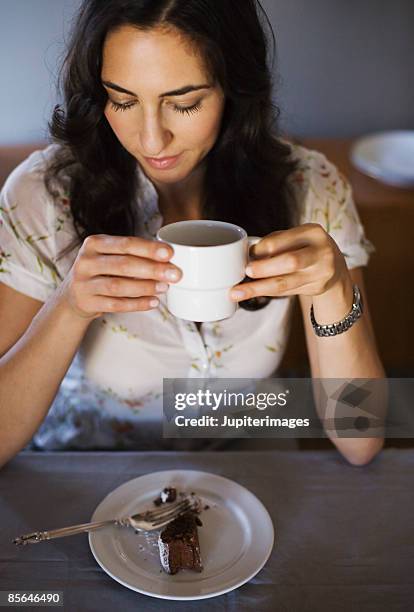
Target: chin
[[170, 179], [168, 176]]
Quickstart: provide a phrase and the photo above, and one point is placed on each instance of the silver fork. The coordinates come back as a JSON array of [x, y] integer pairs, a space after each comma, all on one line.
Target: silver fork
[[143, 521]]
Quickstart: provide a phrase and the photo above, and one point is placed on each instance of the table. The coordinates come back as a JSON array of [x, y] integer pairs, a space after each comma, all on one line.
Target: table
[[344, 534]]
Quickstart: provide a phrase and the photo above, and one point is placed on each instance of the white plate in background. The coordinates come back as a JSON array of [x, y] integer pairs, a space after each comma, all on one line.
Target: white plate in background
[[236, 538], [387, 156]]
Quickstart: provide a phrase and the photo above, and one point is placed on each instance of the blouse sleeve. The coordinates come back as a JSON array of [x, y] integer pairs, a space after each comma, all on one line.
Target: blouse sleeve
[[326, 198], [27, 244]]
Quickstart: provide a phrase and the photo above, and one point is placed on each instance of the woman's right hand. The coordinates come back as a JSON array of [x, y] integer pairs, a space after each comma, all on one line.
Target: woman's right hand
[[118, 274]]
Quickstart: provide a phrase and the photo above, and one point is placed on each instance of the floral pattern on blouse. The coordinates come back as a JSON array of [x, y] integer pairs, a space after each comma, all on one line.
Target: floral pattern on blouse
[[111, 396]]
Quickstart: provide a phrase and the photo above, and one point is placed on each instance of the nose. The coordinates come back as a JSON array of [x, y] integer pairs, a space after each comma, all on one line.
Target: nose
[[155, 137]]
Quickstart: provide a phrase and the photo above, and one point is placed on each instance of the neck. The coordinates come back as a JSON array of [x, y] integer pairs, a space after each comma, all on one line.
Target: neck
[[184, 198]]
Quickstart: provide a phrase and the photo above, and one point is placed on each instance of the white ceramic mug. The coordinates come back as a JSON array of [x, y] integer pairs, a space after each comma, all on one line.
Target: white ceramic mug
[[213, 256]]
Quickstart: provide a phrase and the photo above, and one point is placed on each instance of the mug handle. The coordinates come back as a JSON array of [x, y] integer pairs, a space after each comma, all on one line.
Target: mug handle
[[253, 240]]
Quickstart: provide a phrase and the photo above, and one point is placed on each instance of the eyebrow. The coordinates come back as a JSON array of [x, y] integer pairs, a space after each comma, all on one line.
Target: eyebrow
[[175, 92]]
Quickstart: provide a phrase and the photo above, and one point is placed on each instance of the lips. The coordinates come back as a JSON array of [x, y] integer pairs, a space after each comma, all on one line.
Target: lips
[[162, 162]]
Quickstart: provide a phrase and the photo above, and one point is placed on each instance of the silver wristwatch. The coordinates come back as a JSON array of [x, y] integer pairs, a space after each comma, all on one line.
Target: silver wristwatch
[[333, 329]]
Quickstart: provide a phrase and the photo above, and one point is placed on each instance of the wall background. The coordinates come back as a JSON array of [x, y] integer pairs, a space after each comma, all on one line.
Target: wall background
[[346, 67]]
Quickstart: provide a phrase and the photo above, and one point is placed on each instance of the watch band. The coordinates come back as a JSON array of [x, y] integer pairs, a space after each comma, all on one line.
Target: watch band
[[333, 329]]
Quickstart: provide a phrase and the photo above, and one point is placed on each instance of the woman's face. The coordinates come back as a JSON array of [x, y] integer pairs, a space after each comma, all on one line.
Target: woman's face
[[152, 119]]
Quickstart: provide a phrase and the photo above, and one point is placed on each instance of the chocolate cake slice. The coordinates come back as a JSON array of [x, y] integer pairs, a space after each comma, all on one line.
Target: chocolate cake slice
[[179, 546]]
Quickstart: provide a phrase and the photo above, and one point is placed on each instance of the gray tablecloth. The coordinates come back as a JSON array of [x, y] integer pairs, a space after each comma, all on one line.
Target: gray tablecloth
[[344, 534]]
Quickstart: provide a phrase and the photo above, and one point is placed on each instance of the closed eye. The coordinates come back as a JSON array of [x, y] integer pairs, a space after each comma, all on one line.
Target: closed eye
[[178, 109]]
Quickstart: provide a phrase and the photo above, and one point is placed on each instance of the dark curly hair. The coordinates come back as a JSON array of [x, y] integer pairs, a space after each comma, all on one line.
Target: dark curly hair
[[248, 166]]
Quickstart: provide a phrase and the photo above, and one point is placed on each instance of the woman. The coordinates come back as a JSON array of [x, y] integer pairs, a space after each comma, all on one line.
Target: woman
[[167, 116]]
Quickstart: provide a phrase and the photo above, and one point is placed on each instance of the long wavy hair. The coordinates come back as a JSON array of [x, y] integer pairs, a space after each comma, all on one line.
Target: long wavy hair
[[248, 166]]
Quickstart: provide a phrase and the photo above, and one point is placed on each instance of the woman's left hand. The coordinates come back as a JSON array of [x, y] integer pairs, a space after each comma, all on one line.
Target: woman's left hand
[[303, 260]]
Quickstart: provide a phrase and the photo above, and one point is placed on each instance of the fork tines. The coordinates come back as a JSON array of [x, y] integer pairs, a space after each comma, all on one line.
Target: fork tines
[[156, 516], [174, 513]]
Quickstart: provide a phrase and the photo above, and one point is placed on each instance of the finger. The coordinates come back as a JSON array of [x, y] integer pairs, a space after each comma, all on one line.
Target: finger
[[128, 245], [286, 263], [287, 240], [124, 304], [129, 266], [117, 286], [277, 286]]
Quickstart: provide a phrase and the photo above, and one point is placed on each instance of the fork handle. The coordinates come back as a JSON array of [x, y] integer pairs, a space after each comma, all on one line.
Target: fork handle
[[41, 536]]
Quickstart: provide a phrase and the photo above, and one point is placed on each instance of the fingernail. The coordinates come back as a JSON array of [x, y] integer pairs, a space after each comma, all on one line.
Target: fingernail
[[249, 271], [161, 287], [163, 253], [171, 274], [237, 294], [154, 302]]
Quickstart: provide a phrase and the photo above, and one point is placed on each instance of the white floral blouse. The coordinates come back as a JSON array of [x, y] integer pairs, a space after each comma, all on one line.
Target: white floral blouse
[[111, 396]]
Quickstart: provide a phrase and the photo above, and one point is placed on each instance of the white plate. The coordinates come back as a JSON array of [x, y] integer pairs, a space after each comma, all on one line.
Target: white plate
[[236, 538], [387, 156]]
